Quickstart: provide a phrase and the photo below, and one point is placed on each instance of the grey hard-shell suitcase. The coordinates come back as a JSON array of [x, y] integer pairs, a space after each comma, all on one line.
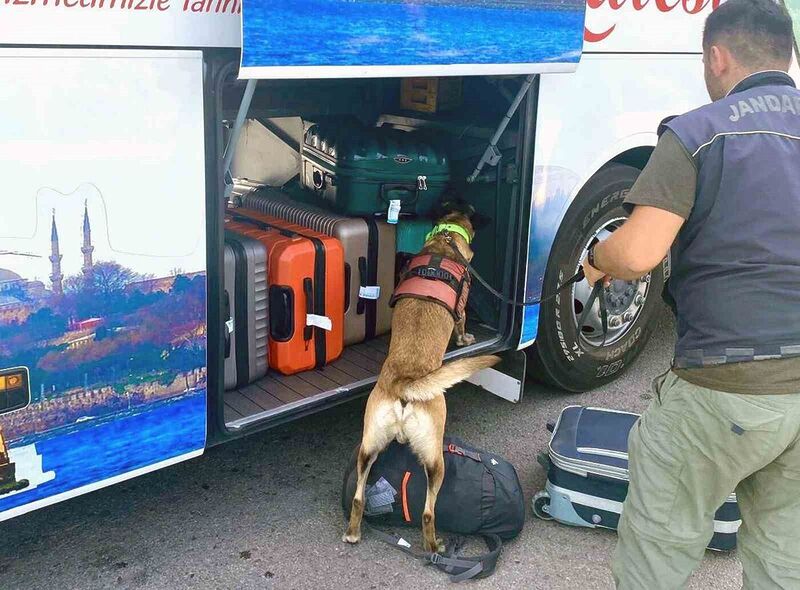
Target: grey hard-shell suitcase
[[246, 318], [369, 253], [587, 474]]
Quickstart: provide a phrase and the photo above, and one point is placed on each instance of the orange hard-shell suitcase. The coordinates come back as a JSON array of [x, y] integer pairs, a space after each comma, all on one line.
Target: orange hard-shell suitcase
[[306, 291]]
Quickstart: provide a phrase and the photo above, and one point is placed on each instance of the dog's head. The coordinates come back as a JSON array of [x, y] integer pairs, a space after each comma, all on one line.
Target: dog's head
[[461, 219]]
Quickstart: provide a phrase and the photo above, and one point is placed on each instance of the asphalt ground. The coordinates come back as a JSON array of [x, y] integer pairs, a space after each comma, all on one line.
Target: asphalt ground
[[264, 512]]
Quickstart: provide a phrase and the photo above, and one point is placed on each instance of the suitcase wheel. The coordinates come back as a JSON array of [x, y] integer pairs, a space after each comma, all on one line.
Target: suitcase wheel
[[541, 505]]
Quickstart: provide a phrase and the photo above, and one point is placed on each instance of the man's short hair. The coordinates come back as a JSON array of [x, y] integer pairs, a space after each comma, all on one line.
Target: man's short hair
[[757, 32]]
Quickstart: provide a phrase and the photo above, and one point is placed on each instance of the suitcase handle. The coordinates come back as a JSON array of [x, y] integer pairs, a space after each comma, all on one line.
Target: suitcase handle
[[281, 313], [308, 289], [362, 281], [227, 332], [347, 278], [409, 188], [319, 179]]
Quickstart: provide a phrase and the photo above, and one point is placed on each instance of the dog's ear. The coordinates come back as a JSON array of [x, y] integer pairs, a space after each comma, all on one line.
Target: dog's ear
[[479, 221], [455, 205]]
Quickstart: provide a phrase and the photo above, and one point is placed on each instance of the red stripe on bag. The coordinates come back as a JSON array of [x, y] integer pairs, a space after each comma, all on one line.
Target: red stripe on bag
[[404, 495]]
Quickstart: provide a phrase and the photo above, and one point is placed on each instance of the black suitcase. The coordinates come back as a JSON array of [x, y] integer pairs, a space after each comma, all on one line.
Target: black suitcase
[[587, 474], [246, 314]]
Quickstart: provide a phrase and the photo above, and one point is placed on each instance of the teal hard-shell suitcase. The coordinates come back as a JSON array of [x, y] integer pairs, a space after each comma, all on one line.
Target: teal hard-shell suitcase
[[360, 170]]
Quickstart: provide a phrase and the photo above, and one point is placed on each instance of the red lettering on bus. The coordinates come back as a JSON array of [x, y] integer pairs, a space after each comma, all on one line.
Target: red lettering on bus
[[663, 6]]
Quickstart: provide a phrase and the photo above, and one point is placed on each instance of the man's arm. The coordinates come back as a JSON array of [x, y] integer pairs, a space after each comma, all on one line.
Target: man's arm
[[662, 199], [639, 245]]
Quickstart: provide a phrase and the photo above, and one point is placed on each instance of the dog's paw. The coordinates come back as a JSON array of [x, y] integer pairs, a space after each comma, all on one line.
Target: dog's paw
[[437, 546], [351, 538], [465, 340]]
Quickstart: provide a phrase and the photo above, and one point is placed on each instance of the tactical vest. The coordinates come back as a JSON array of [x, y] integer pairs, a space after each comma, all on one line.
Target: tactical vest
[[432, 277], [736, 262]]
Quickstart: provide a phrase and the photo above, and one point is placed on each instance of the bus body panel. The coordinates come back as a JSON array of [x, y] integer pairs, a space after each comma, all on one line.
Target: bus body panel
[[647, 57], [372, 38], [578, 132], [103, 257], [646, 26], [122, 23]]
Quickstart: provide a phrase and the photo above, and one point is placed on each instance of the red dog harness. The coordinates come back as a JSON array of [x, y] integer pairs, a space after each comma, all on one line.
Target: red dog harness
[[433, 277]]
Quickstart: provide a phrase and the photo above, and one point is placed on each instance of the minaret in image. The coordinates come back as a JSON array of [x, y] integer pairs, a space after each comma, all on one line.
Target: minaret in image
[[56, 277], [87, 247]]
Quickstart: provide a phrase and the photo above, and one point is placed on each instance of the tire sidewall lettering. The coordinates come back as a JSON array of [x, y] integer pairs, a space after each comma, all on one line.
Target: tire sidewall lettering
[[571, 361]]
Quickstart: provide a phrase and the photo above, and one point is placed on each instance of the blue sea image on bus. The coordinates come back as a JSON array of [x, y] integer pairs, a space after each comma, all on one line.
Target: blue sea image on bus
[[411, 32], [115, 350]]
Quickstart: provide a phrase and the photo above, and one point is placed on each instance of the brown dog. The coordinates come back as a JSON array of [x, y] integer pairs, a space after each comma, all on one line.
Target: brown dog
[[407, 402]]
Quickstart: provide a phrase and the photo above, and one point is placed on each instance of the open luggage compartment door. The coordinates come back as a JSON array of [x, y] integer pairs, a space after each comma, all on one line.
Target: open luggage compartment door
[[395, 38], [506, 379]]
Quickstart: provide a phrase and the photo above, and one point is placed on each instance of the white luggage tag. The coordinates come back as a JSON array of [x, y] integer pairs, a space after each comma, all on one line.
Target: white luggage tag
[[229, 325], [319, 321], [394, 211], [370, 292]]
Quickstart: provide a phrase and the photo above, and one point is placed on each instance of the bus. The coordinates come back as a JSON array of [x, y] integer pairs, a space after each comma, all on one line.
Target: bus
[[130, 125]]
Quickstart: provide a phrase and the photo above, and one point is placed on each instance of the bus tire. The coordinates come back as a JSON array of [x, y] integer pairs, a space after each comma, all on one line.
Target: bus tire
[[578, 360]]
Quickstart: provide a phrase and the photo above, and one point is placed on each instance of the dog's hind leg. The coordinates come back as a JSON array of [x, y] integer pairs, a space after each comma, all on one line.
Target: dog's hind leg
[[380, 427], [435, 473], [365, 460], [426, 436]]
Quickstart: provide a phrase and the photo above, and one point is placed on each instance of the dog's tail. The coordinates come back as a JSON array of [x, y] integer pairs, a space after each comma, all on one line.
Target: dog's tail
[[437, 382]]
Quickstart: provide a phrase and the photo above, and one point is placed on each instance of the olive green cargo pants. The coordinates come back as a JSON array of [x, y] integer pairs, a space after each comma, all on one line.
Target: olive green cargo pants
[[691, 448]]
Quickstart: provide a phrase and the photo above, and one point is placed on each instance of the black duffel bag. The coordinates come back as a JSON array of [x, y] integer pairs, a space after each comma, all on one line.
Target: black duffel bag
[[480, 495]]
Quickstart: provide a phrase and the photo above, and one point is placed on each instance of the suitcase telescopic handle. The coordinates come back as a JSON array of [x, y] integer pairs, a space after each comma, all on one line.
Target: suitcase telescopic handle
[[409, 188], [308, 290]]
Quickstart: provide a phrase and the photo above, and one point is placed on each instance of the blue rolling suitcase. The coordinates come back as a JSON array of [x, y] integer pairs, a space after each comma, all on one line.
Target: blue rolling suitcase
[[587, 474]]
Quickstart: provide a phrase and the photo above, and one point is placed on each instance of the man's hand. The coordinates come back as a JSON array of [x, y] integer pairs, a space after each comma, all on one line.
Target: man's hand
[[593, 275]]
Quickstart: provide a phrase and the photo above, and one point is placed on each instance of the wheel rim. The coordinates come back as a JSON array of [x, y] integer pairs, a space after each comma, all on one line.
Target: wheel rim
[[625, 300]]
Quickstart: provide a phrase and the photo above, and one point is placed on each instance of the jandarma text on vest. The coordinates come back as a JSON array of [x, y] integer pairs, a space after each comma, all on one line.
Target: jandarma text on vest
[[765, 103]]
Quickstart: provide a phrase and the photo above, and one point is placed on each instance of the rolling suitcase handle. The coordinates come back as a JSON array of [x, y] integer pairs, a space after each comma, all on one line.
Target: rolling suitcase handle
[[362, 281], [227, 325], [308, 290], [281, 313], [407, 187]]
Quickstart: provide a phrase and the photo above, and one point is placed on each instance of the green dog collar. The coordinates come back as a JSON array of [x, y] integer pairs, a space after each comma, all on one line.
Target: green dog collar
[[449, 227]]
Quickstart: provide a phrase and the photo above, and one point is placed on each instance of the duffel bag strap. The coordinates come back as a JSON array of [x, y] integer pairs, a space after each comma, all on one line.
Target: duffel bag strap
[[457, 450], [457, 568]]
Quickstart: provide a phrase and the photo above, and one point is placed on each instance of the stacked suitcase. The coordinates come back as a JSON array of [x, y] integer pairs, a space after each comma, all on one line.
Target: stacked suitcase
[[361, 171], [305, 271], [245, 297], [587, 474], [369, 251]]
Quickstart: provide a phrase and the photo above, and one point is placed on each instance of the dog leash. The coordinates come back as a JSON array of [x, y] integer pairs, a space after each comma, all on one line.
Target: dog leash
[[598, 290], [576, 278]]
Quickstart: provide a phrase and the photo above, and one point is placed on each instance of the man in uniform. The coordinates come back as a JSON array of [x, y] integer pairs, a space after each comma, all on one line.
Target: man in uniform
[[722, 188]]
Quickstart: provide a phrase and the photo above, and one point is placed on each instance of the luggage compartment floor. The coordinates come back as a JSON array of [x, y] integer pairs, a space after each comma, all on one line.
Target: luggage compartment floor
[[359, 365]]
